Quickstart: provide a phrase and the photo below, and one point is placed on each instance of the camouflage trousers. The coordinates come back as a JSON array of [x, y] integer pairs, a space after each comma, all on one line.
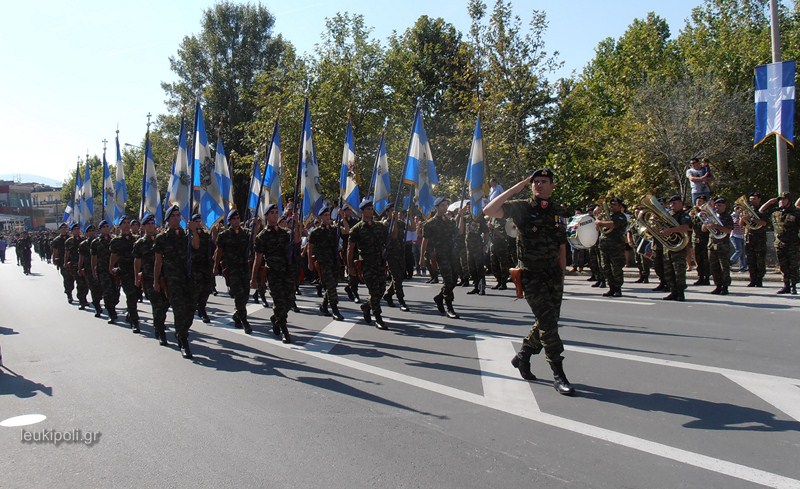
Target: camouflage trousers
[[448, 279], [281, 284], [81, 285], [239, 283], [719, 258], [180, 298], [788, 261], [127, 280], [658, 263], [158, 302], [500, 262], [375, 280], [594, 262], [701, 259], [543, 291], [397, 270], [202, 284], [675, 270], [110, 289], [68, 280], [643, 264], [477, 270], [95, 288], [328, 278], [756, 252], [612, 259]]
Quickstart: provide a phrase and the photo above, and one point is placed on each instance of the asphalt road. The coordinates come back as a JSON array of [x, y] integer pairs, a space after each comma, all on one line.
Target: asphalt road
[[701, 394]]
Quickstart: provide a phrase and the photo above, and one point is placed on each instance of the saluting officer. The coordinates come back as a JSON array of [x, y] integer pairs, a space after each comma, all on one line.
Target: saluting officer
[[612, 247], [785, 223]]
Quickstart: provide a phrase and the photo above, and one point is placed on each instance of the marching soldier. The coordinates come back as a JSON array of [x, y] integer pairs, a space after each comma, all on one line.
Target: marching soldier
[[273, 245], [675, 261], [395, 257], [498, 251], [143, 266], [475, 234], [643, 261], [438, 236], [23, 249], [202, 267], [59, 259], [755, 242], [700, 244], [786, 223], [232, 247], [101, 254], [72, 260], [367, 240], [719, 249], [121, 265], [612, 247], [346, 223], [542, 243], [323, 250], [85, 269], [170, 262]]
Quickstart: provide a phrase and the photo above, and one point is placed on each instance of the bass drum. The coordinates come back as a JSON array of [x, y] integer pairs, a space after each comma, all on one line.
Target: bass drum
[[511, 229], [581, 232]]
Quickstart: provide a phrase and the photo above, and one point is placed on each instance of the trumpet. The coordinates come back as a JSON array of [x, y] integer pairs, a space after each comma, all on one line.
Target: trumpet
[[750, 213], [654, 218], [707, 215]]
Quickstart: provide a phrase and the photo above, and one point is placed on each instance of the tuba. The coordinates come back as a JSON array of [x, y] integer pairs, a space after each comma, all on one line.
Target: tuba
[[708, 215], [654, 217], [748, 212]]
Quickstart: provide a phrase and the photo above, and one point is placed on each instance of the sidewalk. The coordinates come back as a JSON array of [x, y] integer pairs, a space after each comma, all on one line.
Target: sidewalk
[[630, 272]]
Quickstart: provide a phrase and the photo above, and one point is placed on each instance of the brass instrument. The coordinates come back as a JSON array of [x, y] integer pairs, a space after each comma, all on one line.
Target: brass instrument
[[654, 217], [750, 213], [708, 215]]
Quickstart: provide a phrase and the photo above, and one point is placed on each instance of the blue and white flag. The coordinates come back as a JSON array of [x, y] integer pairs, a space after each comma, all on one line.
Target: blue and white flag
[[108, 192], [68, 213], [223, 173], [77, 211], [381, 180], [255, 188], [476, 171], [309, 171], [151, 197], [348, 176], [86, 196], [775, 101], [420, 169], [206, 179], [272, 177], [180, 181], [120, 188]]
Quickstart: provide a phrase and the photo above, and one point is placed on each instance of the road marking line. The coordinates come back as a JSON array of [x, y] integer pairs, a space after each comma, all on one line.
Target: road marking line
[[783, 395], [608, 301], [329, 337], [501, 384]]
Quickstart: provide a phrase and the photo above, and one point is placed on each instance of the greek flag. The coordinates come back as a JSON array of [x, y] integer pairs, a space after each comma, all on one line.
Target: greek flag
[[272, 175], [309, 171], [86, 195], [77, 213], [120, 189], [180, 181], [255, 188], [206, 178], [348, 177], [68, 213], [108, 192], [420, 169], [476, 171], [151, 197], [774, 99], [381, 180], [222, 170]]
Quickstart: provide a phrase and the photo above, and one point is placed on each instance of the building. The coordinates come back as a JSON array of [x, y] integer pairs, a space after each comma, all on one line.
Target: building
[[16, 205]]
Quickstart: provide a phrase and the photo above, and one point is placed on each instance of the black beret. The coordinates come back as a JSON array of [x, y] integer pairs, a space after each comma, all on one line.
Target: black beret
[[675, 198], [615, 200], [720, 200], [543, 172]]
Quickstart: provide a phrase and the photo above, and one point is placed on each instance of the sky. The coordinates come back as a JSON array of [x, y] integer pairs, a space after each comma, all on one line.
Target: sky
[[74, 72]]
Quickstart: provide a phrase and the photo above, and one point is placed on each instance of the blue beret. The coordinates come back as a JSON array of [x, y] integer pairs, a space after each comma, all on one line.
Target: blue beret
[[148, 218], [365, 203], [88, 228], [325, 208], [439, 200], [233, 213], [102, 223], [172, 210], [63, 225], [122, 219], [75, 225]]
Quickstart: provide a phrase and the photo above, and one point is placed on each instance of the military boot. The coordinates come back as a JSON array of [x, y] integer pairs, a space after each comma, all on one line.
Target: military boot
[[439, 300], [794, 288], [475, 290], [450, 312], [135, 326], [285, 337], [236, 321], [723, 290], [162, 338], [379, 323], [336, 314], [717, 290], [255, 297], [522, 362], [402, 303], [69, 297], [246, 326], [671, 297], [276, 329], [388, 298], [264, 301], [204, 315], [367, 313], [97, 309], [611, 290], [186, 352], [323, 308], [112, 315], [349, 292], [598, 283], [560, 382], [786, 288]]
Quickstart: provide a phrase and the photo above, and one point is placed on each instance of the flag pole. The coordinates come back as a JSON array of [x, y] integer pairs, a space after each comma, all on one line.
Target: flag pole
[[105, 169], [144, 167], [374, 179], [780, 145]]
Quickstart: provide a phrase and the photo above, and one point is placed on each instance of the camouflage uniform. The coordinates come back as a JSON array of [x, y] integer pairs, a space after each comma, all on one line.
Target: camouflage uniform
[[352, 281], [202, 273], [441, 232], [396, 261], [273, 243], [594, 263], [369, 239], [755, 246], [144, 250], [538, 247], [234, 246], [475, 230], [100, 249], [719, 254], [675, 261], [612, 251], [59, 257], [325, 241], [71, 257], [23, 248], [786, 223], [700, 243], [85, 251], [172, 246], [122, 246], [500, 258]]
